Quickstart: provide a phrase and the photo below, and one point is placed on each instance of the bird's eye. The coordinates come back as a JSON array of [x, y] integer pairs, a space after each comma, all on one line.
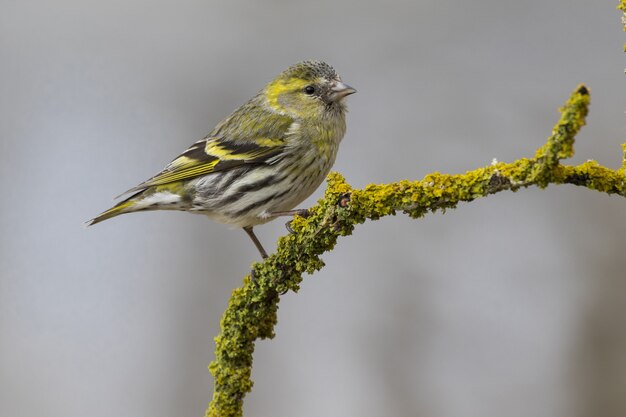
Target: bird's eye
[[309, 89]]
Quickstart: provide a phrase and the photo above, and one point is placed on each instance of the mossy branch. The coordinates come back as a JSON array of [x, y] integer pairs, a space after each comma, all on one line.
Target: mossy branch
[[252, 310]]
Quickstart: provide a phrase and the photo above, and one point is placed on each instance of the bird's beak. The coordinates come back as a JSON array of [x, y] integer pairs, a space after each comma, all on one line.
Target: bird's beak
[[340, 90]]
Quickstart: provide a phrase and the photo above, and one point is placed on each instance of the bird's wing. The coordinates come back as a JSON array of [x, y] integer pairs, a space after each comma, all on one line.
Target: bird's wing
[[246, 137]]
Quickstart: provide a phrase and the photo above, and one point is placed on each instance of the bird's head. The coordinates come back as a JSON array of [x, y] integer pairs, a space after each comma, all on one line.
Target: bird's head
[[309, 88]]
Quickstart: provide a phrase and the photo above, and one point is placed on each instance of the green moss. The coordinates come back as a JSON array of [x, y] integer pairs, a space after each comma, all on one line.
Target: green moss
[[560, 144], [252, 309]]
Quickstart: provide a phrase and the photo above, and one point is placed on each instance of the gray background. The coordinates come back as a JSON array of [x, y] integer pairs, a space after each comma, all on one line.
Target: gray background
[[514, 305]]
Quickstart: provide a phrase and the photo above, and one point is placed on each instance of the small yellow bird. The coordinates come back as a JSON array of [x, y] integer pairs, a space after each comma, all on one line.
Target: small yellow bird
[[261, 161]]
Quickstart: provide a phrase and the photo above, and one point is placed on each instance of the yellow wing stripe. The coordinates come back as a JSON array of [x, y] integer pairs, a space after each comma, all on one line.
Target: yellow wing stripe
[[182, 173], [214, 149], [202, 159], [228, 154]]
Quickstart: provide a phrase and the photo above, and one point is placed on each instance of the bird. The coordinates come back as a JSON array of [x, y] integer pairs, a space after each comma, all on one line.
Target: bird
[[258, 163]]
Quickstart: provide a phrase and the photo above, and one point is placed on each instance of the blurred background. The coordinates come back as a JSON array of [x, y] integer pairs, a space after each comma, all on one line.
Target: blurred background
[[512, 305]]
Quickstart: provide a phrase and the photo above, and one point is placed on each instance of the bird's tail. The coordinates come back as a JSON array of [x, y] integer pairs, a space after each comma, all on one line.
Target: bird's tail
[[122, 207], [116, 210]]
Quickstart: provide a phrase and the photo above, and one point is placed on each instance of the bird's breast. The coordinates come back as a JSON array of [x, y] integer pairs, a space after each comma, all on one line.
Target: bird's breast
[[320, 136], [314, 146]]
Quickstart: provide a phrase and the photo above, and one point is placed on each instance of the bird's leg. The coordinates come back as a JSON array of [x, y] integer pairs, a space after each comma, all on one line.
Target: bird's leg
[[297, 212], [256, 241], [258, 245]]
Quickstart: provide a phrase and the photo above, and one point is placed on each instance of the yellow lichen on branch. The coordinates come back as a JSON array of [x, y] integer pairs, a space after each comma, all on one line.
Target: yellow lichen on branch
[[252, 309]]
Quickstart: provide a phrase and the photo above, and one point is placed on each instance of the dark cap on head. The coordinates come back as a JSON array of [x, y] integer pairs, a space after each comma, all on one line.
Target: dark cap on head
[[310, 70]]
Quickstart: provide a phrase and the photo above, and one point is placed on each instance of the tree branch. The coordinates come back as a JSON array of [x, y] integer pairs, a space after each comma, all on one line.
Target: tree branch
[[252, 309]]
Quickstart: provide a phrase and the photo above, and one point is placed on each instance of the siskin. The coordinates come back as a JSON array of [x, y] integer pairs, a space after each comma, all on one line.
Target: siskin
[[261, 161]]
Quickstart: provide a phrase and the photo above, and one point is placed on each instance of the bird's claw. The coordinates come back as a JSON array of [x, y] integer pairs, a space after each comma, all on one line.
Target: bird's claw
[[304, 213]]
